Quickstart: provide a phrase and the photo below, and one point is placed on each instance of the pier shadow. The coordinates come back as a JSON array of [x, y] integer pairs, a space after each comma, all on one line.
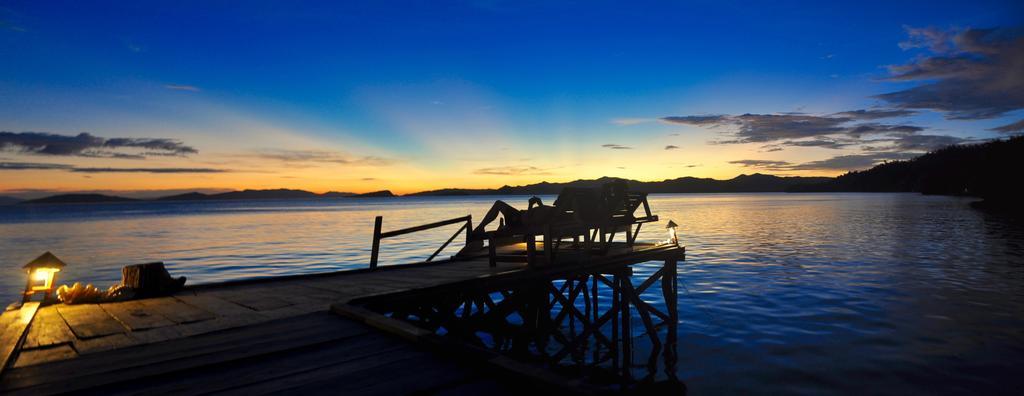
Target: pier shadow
[[591, 331]]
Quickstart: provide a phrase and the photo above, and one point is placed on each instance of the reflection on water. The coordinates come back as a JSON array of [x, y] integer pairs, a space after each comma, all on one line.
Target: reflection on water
[[579, 324], [808, 293]]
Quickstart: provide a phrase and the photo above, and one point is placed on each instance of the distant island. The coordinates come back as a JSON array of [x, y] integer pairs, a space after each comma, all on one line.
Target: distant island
[[983, 170], [195, 196]]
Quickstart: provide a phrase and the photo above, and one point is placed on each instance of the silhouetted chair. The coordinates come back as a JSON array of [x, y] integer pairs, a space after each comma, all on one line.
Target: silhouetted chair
[[591, 214]]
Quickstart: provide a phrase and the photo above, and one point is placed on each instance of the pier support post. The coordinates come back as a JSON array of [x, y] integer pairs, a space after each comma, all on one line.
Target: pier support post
[[377, 222], [670, 291]]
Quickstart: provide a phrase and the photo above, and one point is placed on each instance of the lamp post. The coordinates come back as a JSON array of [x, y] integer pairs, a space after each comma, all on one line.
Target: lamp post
[[673, 238], [41, 275]]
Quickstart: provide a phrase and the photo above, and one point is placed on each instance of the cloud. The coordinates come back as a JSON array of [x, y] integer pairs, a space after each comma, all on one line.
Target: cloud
[[31, 166], [825, 142], [928, 37], [88, 145], [874, 114], [968, 75], [671, 147], [616, 146], [149, 170], [512, 171], [319, 156], [1016, 127], [879, 129], [702, 120], [761, 163], [837, 163], [176, 87], [631, 121], [850, 162], [925, 142], [766, 128], [17, 166]]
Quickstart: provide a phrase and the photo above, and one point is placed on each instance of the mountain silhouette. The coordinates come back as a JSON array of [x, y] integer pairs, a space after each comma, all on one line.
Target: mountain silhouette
[[8, 200], [78, 198], [743, 183], [984, 170]]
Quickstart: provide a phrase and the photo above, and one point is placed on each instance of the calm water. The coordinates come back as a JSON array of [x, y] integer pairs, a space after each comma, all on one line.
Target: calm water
[[810, 293]]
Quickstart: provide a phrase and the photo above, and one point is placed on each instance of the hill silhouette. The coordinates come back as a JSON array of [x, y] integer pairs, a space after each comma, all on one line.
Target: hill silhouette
[[197, 196], [743, 183], [8, 200], [985, 170], [78, 198]]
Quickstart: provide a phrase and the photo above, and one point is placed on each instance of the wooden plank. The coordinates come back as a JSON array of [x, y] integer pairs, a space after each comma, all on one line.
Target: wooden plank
[[14, 331], [44, 355], [143, 361], [135, 316], [350, 369], [347, 288], [104, 343], [419, 375], [157, 334], [89, 320], [221, 323], [176, 311], [215, 305], [6, 318], [255, 299], [48, 328], [204, 380]]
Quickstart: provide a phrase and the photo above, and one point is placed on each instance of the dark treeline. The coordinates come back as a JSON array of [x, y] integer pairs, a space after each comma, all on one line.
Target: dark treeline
[[987, 170]]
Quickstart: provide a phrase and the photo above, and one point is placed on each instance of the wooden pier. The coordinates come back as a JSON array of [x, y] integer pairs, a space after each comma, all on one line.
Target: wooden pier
[[281, 334]]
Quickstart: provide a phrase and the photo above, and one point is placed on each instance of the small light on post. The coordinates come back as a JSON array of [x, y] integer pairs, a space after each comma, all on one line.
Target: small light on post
[[42, 272], [673, 238]]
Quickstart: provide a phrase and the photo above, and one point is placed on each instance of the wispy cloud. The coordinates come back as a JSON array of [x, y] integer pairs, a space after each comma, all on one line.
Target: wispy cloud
[[1016, 127], [837, 163], [671, 147], [31, 166], [760, 163], [850, 162], [87, 145], [632, 121], [178, 87], [21, 166], [614, 146], [968, 75], [149, 170], [319, 156], [514, 170], [766, 128], [874, 114]]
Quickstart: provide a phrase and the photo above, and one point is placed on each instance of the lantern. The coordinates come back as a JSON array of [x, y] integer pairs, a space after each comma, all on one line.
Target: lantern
[[673, 238], [41, 275]]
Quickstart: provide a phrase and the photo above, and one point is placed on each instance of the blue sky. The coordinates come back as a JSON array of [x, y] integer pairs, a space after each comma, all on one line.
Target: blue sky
[[411, 95]]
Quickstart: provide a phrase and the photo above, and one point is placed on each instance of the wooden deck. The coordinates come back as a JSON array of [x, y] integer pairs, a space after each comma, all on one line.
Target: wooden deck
[[267, 336]]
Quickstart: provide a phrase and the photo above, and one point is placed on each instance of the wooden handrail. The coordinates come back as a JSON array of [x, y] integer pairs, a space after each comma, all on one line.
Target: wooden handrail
[[442, 223], [378, 234]]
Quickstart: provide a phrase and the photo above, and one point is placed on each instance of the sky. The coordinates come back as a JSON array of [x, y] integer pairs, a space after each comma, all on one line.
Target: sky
[[147, 98]]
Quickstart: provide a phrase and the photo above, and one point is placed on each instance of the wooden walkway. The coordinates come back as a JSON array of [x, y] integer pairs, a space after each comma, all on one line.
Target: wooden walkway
[[267, 336]]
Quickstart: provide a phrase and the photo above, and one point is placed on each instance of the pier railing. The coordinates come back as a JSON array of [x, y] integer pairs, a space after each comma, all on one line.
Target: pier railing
[[378, 235]]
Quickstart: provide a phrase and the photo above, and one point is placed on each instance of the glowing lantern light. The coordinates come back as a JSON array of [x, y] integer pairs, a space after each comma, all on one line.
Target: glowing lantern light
[[673, 238], [41, 275]]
